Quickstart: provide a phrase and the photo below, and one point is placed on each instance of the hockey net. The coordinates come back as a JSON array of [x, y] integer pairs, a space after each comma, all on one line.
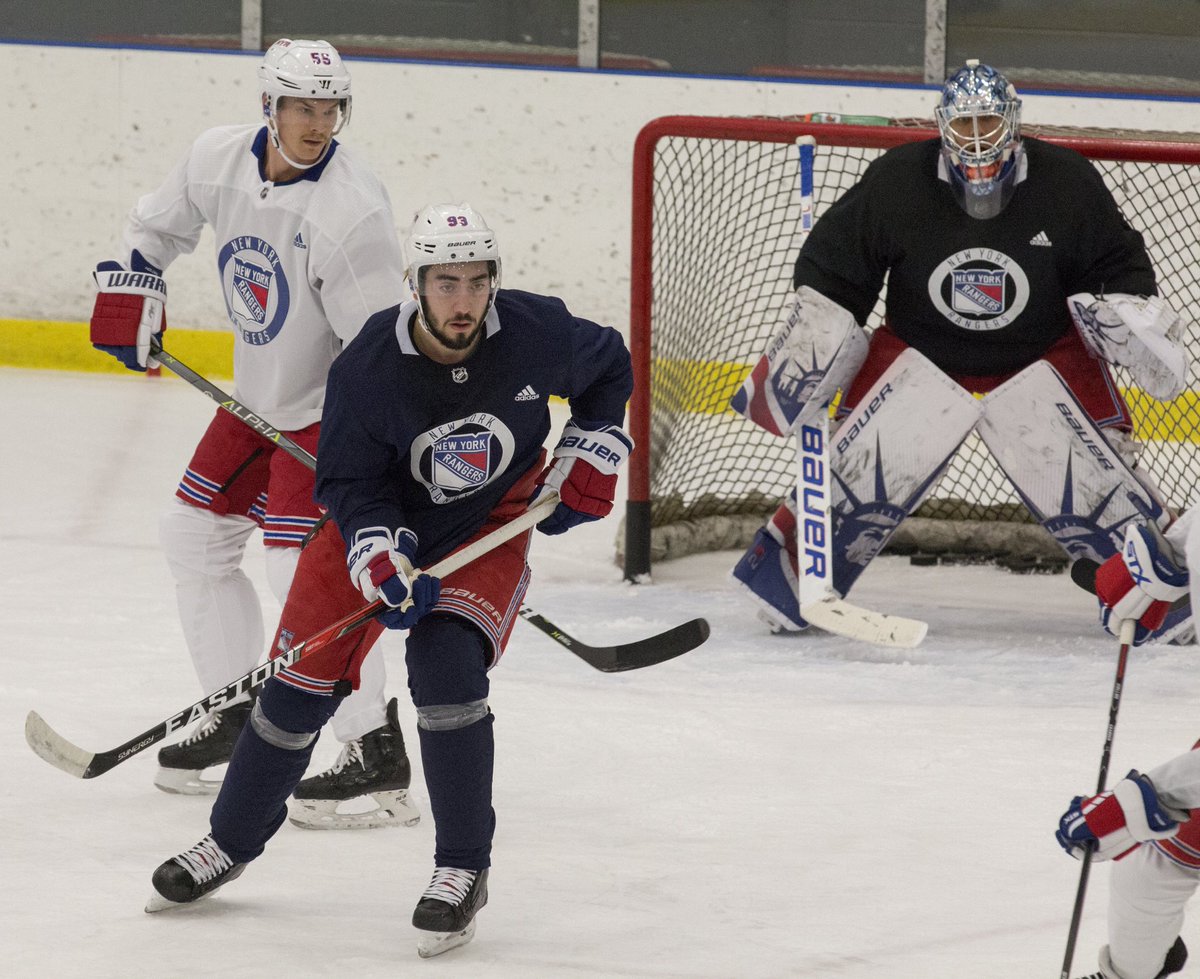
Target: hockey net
[[716, 216]]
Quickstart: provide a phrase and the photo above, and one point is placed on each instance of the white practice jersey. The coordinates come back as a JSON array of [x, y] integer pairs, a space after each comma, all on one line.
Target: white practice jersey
[[303, 264]]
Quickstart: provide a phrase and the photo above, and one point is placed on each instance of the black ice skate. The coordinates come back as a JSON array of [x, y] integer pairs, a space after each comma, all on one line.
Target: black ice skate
[[195, 873], [446, 911], [181, 766], [1174, 962], [367, 786]]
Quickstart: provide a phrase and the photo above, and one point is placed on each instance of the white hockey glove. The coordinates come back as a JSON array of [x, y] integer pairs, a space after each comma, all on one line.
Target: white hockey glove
[[380, 565], [1116, 821], [1141, 333], [130, 309]]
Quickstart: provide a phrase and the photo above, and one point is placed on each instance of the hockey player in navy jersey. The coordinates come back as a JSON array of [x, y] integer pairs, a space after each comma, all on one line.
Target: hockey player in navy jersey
[[432, 437], [1010, 271], [306, 251]]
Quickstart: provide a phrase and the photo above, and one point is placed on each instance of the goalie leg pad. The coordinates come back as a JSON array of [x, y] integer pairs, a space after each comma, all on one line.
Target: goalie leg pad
[[813, 354], [885, 459], [1066, 471], [887, 455]]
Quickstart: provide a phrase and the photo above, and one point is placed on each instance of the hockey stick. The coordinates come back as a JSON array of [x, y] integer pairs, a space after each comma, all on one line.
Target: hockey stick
[[626, 656], [52, 747], [819, 603], [1127, 631], [610, 659]]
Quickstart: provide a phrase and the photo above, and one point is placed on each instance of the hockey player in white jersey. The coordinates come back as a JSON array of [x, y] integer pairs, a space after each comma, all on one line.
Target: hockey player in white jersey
[[306, 251], [1143, 822]]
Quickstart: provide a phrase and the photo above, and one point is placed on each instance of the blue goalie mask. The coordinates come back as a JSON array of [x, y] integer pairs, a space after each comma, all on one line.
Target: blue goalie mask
[[979, 118]]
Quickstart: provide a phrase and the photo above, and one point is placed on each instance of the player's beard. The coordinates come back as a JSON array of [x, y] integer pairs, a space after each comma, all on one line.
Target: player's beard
[[455, 340]]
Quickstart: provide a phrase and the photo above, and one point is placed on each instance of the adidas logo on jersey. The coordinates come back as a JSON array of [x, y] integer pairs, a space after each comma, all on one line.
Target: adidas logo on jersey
[[1041, 238], [299, 242], [526, 394]]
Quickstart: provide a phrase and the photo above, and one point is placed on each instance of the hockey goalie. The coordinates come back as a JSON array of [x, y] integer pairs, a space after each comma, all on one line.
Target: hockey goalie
[[1011, 274]]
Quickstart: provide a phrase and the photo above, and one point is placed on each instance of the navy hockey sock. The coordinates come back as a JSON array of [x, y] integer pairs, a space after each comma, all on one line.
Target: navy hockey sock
[[458, 776], [268, 762]]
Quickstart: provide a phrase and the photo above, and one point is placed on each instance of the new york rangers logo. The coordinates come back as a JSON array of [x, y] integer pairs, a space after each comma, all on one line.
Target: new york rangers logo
[[252, 285], [461, 457], [979, 289], [255, 285]]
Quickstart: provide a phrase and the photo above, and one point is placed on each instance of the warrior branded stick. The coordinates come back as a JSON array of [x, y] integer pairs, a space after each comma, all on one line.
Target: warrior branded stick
[[52, 747], [626, 656]]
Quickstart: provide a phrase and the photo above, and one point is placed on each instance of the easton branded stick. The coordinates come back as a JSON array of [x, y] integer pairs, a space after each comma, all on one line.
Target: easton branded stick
[[52, 747], [1127, 631], [819, 603], [609, 659]]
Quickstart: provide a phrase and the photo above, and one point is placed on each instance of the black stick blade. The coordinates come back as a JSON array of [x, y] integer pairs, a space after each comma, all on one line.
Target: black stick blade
[[626, 656]]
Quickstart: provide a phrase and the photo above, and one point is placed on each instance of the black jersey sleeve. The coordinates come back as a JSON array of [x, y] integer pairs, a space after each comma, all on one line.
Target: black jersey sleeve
[[600, 378]]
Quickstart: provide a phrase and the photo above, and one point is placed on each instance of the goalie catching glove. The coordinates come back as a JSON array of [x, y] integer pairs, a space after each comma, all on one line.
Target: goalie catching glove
[[1115, 822], [1140, 582], [583, 472], [130, 308], [380, 565], [1140, 333]]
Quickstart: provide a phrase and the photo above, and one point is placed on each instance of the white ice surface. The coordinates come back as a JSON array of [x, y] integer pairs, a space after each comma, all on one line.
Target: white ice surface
[[798, 806]]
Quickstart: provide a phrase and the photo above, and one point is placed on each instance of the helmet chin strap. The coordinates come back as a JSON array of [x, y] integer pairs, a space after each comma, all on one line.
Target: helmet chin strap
[[277, 143]]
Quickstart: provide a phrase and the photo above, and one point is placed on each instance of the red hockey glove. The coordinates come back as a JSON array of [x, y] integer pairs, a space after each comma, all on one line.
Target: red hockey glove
[[1118, 820], [130, 308], [584, 474]]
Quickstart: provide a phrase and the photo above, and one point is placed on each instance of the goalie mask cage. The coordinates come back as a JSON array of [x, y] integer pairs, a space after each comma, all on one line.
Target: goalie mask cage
[[716, 231]]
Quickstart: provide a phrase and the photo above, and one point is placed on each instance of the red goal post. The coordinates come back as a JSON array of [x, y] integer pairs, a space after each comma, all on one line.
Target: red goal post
[[715, 233]]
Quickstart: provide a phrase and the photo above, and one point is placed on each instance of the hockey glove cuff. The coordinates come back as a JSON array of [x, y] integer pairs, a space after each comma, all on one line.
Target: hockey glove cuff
[[380, 565]]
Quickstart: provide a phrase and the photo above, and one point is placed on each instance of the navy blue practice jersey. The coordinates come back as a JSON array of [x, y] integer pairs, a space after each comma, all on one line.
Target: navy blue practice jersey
[[408, 442], [975, 296]]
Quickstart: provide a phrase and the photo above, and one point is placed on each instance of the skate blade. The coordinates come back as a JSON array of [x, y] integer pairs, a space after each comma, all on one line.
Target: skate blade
[[392, 808], [431, 943], [185, 781]]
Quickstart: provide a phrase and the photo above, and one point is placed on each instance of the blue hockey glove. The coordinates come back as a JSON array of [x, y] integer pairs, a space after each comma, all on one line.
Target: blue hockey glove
[[380, 565], [583, 471], [1115, 822], [1140, 583], [130, 308]]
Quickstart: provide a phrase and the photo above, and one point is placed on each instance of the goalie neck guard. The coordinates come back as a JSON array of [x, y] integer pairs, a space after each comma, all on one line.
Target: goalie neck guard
[[979, 118]]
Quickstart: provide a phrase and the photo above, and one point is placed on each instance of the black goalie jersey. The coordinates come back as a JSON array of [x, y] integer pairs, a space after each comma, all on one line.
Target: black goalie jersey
[[407, 442], [976, 297]]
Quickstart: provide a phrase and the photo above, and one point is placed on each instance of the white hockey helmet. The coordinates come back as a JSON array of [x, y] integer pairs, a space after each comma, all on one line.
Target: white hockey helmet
[[979, 118], [445, 234], [305, 70]]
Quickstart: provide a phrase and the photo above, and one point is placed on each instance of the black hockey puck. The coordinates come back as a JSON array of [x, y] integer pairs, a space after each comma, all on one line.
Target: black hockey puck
[[923, 560]]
